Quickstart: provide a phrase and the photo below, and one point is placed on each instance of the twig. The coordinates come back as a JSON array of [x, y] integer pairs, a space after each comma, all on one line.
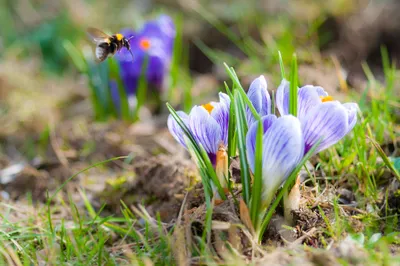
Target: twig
[[305, 235]]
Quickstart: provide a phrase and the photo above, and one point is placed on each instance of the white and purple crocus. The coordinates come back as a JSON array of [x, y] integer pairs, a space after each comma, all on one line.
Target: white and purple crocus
[[319, 114], [156, 42], [287, 138], [208, 124]]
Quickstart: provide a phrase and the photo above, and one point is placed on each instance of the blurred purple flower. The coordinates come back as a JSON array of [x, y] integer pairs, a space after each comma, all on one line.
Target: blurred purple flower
[[282, 151], [155, 40], [319, 115], [208, 124]]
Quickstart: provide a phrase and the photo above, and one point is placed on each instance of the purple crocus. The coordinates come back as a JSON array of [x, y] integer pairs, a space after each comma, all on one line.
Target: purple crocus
[[282, 151], [259, 97], [155, 41], [208, 124], [320, 116]]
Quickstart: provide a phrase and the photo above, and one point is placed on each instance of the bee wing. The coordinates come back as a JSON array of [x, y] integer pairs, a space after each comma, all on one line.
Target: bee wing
[[97, 35]]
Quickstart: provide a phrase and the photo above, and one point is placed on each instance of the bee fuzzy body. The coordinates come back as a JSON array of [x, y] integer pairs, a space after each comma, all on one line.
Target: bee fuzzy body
[[106, 45]]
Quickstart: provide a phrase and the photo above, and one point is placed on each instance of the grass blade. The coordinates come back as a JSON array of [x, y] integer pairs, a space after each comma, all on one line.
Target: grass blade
[[383, 155], [98, 76], [76, 56], [257, 183], [183, 126], [282, 66], [231, 133], [176, 58], [246, 99], [293, 87], [123, 97], [203, 174], [241, 126]]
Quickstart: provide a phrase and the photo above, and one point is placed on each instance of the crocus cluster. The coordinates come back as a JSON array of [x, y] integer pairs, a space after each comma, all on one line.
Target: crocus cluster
[[155, 42], [286, 138]]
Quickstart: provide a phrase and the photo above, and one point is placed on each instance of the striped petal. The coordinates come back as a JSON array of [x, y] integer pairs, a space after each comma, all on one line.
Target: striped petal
[[259, 97], [205, 129], [307, 98], [283, 149], [329, 121], [175, 129], [352, 109], [282, 98], [251, 136], [221, 114], [321, 92]]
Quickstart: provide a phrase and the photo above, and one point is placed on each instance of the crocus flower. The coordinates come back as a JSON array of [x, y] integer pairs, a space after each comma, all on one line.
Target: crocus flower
[[155, 41], [259, 97], [208, 124], [282, 151], [319, 114]]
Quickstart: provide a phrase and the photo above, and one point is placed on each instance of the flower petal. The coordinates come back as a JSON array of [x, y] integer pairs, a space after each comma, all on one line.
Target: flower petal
[[328, 120], [307, 98], [205, 129], [163, 26], [224, 98], [259, 97], [282, 97], [251, 136], [283, 149], [221, 115], [175, 129], [321, 92], [352, 109], [169, 30]]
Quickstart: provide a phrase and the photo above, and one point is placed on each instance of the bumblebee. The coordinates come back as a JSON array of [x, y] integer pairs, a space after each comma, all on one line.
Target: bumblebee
[[107, 45]]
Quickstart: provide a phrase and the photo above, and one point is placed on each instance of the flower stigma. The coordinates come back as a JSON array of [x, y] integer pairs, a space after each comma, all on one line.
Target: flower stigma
[[208, 107], [326, 98], [145, 44]]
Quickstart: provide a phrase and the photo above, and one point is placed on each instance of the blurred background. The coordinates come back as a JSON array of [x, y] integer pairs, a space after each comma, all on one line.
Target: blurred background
[[46, 118]]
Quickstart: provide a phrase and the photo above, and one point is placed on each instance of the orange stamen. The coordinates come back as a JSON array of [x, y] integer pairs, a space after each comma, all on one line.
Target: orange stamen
[[208, 107], [326, 98], [145, 44]]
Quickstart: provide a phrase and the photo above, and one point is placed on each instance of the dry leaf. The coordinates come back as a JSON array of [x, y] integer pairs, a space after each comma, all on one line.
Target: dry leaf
[[221, 167], [234, 238], [179, 250], [245, 216], [294, 196], [292, 201]]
